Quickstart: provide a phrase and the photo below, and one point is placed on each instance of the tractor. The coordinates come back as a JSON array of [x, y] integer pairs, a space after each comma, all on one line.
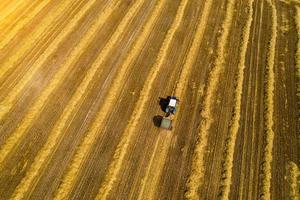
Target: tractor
[[170, 110]]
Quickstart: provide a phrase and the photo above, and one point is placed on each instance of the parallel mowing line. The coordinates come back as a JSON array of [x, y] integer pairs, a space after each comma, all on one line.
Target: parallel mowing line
[[24, 47], [269, 103], [194, 50], [38, 34], [57, 133], [233, 130], [11, 97], [10, 62], [57, 80], [8, 36], [195, 180], [47, 27], [180, 88], [122, 148], [71, 176], [191, 58], [183, 79]]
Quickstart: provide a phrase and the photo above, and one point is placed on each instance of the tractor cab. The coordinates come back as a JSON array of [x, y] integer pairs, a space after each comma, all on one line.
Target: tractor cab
[[171, 107]]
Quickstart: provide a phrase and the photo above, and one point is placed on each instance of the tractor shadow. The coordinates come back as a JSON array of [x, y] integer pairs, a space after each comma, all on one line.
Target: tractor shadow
[[163, 102], [157, 120]]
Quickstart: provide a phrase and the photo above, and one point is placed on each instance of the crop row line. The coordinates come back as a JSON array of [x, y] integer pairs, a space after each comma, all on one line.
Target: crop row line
[[58, 78], [269, 108], [129, 131], [74, 104], [114, 166], [236, 116], [195, 180], [6, 38], [85, 147], [9, 63]]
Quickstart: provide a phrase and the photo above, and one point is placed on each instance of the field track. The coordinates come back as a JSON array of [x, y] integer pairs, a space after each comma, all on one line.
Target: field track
[[81, 80]]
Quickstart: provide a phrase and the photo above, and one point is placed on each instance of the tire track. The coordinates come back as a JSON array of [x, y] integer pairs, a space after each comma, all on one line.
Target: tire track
[[234, 128], [269, 108], [195, 182], [122, 148], [11, 97], [57, 133], [70, 177], [58, 78]]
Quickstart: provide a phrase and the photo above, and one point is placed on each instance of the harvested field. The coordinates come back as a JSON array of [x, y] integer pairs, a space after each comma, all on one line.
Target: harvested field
[[81, 81]]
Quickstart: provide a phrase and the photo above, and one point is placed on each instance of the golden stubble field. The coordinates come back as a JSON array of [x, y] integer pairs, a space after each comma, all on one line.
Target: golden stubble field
[[80, 82]]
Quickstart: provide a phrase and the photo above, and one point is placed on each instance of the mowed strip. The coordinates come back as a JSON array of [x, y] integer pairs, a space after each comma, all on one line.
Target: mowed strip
[[11, 97], [234, 128], [55, 82], [269, 106], [85, 147], [195, 180], [56, 135], [122, 148]]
